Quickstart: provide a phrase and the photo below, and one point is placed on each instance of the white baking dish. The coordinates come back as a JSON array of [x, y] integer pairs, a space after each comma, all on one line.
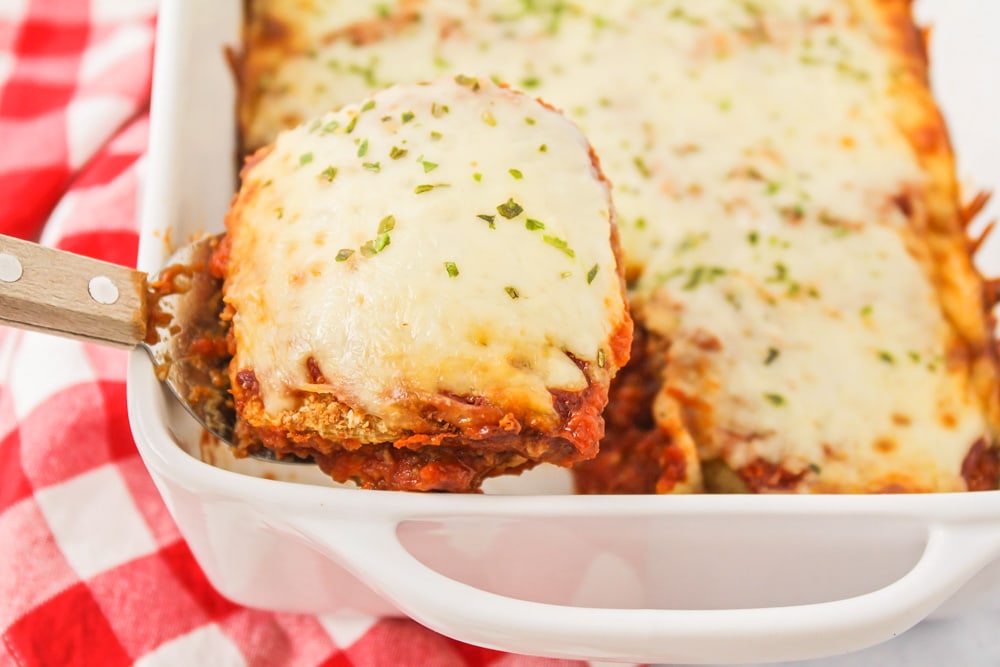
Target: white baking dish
[[528, 567]]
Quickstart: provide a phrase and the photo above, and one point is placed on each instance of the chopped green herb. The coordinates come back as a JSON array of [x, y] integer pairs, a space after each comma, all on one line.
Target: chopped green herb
[[407, 116], [279, 212], [725, 104], [489, 119], [329, 127], [510, 209], [530, 121], [315, 125], [428, 166], [438, 110], [815, 468], [530, 82], [640, 223], [753, 237], [512, 292], [305, 158], [866, 311], [363, 148], [773, 187], [601, 357], [350, 126], [533, 224], [397, 153], [467, 81], [701, 274], [592, 274], [329, 173], [559, 244], [370, 248], [372, 166], [488, 218], [780, 273], [451, 268], [565, 274], [772, 354], [436, 136], [344, 254], [477, 177], [695, 279], [640, 164], [886, 357], [368, 106], [543, 149], [421, 189], [775, 399], [387, 224]]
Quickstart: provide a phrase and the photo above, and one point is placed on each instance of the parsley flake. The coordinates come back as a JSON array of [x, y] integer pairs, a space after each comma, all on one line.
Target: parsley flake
[[452, 269], [775, 399], [436, 136], [438, 110], [373, 166], [489, 119], [428, 166], [477, 177], [344, 254], [387, 224], [329, 174], [488, 218], [592, 274], [467, 81], [305, 158], [397, 153], [407, 116], [516, 173], [363, 148], [533, 224], [772, 354], [512, 292], [559, 244], [510, 209], [368, 106]]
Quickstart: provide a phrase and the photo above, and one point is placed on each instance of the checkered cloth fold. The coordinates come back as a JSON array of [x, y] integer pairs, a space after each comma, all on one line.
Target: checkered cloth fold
[[92, 569]]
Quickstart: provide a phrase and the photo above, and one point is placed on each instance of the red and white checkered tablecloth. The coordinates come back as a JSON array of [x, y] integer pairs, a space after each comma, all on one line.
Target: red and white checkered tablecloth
[[93, 571]]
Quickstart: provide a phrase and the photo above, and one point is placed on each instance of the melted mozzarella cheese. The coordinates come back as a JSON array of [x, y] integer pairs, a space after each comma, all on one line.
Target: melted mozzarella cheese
[[451, 237], [769, 197]]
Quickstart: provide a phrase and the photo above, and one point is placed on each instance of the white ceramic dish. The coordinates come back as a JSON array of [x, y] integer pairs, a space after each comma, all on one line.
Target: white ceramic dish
[[529, 568]]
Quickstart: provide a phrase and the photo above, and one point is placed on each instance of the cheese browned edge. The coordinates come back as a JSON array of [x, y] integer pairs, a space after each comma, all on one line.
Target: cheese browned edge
[[473, 334], [678, 170]]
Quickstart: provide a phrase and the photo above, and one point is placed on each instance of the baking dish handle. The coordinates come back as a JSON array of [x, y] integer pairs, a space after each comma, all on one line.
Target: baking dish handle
[[371, 550]]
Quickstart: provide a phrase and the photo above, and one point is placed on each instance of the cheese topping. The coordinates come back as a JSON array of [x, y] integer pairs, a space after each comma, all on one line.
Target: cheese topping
[[452, 237], [769, 193]]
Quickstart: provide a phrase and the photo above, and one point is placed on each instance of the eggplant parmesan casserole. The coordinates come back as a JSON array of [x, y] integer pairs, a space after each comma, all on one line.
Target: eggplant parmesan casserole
[[808, 317]]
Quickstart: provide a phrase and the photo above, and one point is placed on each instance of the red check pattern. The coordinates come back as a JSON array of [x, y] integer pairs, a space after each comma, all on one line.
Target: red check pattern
[[92, 569]]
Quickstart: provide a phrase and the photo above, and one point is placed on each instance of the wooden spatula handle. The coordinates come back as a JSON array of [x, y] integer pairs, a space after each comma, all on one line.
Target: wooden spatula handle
[[70, 295]]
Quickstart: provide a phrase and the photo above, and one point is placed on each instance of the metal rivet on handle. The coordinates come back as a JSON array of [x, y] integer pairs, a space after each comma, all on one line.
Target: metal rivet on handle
[[102, 290], [10, 268]]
